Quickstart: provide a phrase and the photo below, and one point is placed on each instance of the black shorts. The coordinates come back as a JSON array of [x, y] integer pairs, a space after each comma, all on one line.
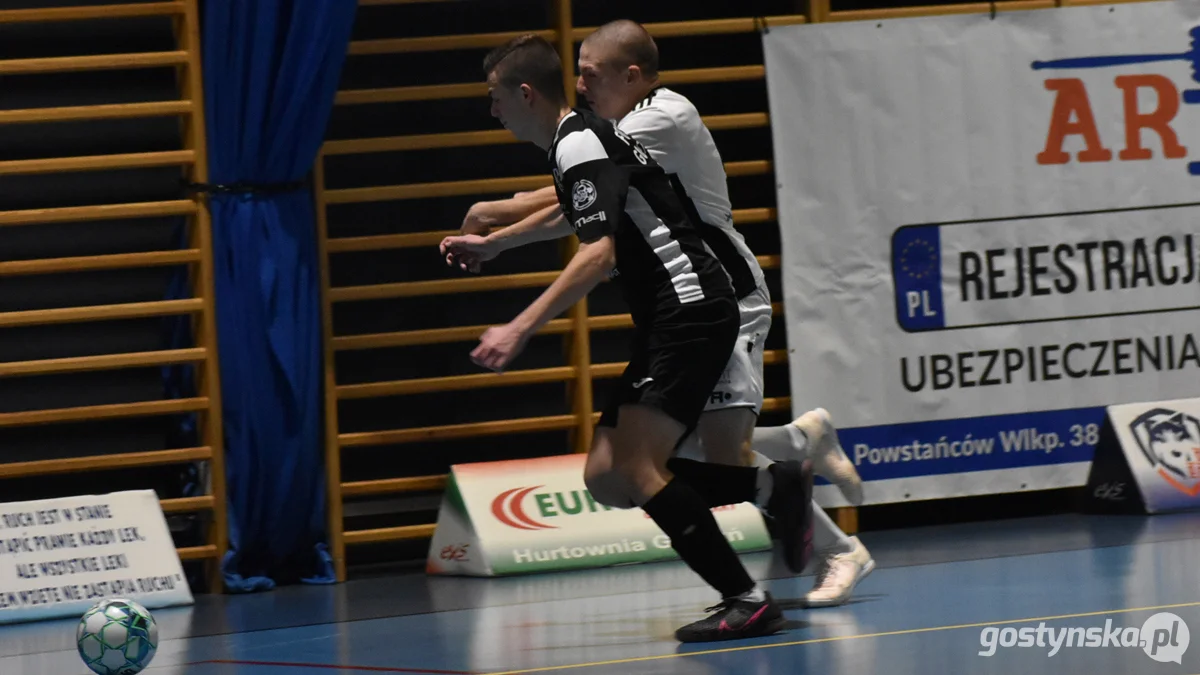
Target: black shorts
[[677, 361]]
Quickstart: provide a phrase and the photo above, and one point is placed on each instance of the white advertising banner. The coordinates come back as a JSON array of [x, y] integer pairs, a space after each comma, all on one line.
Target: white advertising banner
[[58, 557], [536, 515], [990, 232]]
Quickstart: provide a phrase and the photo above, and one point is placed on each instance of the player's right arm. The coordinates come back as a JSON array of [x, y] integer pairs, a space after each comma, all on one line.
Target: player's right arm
[[482, 216]]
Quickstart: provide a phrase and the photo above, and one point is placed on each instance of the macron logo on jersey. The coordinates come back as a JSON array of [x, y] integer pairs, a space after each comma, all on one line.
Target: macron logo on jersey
[[580, 222]]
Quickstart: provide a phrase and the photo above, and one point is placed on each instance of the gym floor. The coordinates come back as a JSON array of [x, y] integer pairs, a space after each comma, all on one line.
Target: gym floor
[[936, 597]]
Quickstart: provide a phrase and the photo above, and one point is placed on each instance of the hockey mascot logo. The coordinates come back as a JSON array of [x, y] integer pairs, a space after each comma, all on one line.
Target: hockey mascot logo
[[1171, 442]]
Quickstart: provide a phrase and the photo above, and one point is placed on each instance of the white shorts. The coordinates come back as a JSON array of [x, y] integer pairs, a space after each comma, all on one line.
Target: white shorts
[[741, 385]]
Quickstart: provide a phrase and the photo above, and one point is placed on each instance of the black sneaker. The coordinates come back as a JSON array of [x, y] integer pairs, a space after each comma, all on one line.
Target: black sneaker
[[735, 619], [791, 507]]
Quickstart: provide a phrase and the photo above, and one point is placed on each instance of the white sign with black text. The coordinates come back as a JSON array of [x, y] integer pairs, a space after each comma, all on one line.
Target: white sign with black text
[[989, 235], [58, 557]]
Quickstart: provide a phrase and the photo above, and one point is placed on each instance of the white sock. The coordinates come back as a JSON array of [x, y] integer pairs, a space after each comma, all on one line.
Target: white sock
[[765, 481], [828, 538], [780, 443]]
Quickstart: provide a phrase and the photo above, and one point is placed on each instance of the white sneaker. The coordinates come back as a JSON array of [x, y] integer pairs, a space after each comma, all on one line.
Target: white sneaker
[[829, 460], [838, 575]]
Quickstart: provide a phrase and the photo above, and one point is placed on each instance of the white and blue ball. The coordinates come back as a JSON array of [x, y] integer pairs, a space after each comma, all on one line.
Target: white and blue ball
[[117, 637]]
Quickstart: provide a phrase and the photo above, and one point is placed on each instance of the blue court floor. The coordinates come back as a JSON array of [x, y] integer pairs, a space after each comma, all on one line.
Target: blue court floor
[[930, 608]]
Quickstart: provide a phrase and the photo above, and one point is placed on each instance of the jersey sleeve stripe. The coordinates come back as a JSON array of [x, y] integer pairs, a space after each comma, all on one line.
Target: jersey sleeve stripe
[[578, 147]]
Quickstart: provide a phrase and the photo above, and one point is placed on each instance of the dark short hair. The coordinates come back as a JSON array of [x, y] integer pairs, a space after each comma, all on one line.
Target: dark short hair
[[528, 59]]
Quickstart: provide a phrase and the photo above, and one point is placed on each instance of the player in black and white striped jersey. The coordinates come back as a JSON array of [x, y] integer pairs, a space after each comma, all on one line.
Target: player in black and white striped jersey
[[632, 225], [618, 77], [609, 185]]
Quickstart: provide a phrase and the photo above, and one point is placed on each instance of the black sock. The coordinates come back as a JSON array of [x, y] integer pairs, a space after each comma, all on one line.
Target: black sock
[[695, 536], [717, 484]]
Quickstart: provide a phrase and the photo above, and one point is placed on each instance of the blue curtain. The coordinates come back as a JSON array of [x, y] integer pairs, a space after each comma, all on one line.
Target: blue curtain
[[271, 69]]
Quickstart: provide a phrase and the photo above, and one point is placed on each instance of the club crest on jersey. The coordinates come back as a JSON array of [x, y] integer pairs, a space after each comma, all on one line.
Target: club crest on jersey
[[583, 194]]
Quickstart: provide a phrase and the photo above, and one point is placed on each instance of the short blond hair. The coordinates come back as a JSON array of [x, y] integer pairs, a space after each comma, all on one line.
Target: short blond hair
[[634, 45]]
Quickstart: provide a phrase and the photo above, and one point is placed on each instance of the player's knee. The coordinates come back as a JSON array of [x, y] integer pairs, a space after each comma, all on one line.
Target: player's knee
[[599, 476], [725, 436], [747, 453], [605, 487]]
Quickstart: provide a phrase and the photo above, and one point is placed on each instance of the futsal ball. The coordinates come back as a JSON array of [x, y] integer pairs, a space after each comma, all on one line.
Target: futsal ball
[[117, 637]]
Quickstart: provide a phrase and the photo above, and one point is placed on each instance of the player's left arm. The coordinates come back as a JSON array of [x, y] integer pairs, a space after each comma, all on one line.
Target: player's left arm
[[588, 267], [596, 189], [482, 216]]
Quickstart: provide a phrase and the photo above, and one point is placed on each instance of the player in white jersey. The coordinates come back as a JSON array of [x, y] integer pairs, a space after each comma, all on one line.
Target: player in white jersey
[[618, 78]]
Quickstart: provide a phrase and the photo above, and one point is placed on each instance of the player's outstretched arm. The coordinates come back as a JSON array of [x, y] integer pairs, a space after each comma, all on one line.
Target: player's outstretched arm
[[482, 216], [470, 251], [587, 268], [599, 189], [544, 225]]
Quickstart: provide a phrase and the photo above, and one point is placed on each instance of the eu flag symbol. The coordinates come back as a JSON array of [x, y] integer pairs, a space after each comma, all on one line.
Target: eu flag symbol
[[917, 277]]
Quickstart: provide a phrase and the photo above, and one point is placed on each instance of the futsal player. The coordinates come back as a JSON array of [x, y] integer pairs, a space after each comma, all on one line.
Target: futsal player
[[632, 226], [618, 68]]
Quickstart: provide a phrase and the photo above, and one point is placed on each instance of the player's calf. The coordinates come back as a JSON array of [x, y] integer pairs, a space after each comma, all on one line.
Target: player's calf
[[717, 460], [791, 506], [641, 444], [784, 490]]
